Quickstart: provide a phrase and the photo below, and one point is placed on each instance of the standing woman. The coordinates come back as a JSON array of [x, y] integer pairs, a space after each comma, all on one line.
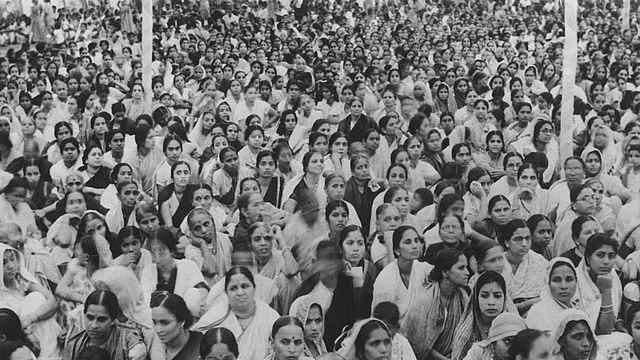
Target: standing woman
[[524, 269], [174, 200], [171, 320]]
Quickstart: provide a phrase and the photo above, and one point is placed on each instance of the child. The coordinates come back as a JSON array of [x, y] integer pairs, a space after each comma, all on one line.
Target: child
[[419, 205], [631, 176], [424, 171], [225, 180], [210, 160], [389, 314], [254, 137], [133, 255]]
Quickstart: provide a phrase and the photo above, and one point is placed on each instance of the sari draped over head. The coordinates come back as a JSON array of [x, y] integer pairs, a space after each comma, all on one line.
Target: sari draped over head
[[478, 133], [431, 323], [564, 318], [188, 275], [123, 282], [527, 282], [439, 105], [470, 330], [24, 303], [22, 216], [505, 325], [460, 97], [611, 154], [115, 219], [284, 285], [346, 342], [428, 97], [198, 137], [390, 287], [590, 296], [300, 309], [253, 341], [319, 191]]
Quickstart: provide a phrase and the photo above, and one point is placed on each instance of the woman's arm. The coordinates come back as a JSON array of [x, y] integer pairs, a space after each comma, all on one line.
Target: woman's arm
[[290, 206], [209, 267], [606, 317], [291, 267], [273, 117], [165, 212], [64, 291], [92, 191], [45, 311]]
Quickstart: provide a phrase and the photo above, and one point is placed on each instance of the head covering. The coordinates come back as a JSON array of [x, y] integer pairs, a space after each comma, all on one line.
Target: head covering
[[123, 283], [346, 343], [300, 309], [22, 275], [565, 318], [504, 325]]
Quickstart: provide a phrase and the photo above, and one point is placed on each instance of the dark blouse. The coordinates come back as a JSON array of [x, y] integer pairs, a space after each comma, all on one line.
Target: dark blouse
[[100, 180], [191, 350], [183, 209], [274, 192]]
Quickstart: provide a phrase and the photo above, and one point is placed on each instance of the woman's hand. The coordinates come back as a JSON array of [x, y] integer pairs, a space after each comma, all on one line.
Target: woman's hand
[[604, 283], [476, 190]]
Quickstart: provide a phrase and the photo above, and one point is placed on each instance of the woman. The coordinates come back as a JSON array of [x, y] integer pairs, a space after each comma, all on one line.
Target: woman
[[508, 184], [136, 105], [360, 270], [311, 315], [479, 126], [248, 318], [489, 298], [21, 292], [604, 214], [541, 235], [445, 298], [120, 173], [95, 176], [225, 180], [402, 282], [529, 199], [499, 209], [180, 277], [492, 160], [603, 140], [452, 234], [171, 321], [145, 159], [530, 344], [573, 337], [582, 203], [476, 198], [542, 141], [14, 208], [311, 179], [337, 160], [524, 268], [70, 162], [287, 337], [335, 186], [369, 339], [53, 151], [219, 343], [498, 344], [174, 200], [123, 214], [433, 150], [201, 134], [271, 185], [361, 190], [103, 330], [444, 100]]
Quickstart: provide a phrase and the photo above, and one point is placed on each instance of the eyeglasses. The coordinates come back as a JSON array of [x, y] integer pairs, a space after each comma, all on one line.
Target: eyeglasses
[[521, 239], [77, 183], [451, 227], [546, 131]]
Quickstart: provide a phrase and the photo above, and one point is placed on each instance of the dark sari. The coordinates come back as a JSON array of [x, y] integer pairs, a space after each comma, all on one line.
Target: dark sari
[[183, 209]]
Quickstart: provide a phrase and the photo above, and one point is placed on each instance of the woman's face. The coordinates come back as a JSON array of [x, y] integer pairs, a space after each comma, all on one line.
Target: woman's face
[[124, 173], [240, 292], [493, 260], [219, 143], [220, 351], [411, 246], [577, 341], [635, 328], [160, 253], [316, 164], [593, 164], [563, 283], [543, 234], [128, 195], [202, 226], [501, 213], [166, 324], [338, 219], [340, 146], [401, 200], [602, 260], [520, 242], [335, 189], [70, 152], [314, 327], [95, 157], [230, 161], [495, 144], [288, 343], [98, 323], [451, 231], [290, 123], [181, 175], [353, 248], [528, 179], [261, 242], [491, 300], [585, 204], [28, 127], [378, 346], [266, 167], [598, 192]]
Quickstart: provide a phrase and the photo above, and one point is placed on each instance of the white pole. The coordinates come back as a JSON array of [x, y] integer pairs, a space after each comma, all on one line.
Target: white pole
[[147, 46], [569, 77], [626, 12]]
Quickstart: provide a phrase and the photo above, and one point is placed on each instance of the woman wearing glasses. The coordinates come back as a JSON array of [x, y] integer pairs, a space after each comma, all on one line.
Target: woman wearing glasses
[[583, 202], [524, 269], [544, 141]]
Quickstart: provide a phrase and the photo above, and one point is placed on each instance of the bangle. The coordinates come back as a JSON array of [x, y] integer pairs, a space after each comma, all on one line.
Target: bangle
[[286, 248]]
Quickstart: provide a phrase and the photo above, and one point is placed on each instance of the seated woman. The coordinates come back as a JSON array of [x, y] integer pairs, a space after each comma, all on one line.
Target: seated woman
[[123, 215], [430, 337], [582, 203], [133, 255], [581, 230], [171, 320], [529, 199], [387, 221], [287, 337], [180, 277], [604, 213], [104, 330], [219, 342], [541, 235], [14, 208], [452, 235], [174, 199], [524, 268], [361, 270], [208, 248], [499, 209], [94, 174], [70, 162], [249, 319], [40, 193], [574, 324], [497, 346], [489, 298], [11, 331], [120, 172], [311, 315], [476, 199], [402, 282], [312, 179], [21, 292]]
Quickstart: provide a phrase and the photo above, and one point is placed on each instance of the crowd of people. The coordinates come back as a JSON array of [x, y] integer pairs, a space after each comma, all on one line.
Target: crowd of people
[[343, 180]]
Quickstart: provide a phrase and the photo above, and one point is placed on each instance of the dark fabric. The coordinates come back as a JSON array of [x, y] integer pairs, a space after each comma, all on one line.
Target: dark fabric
[[191, 350], [435, 160], [167, 284], [42, 196], [241, 237], [92, 204], [487, 228], [15, 167], [434, 249], [100, 180], [357, 132], [362, 202], [571, 255], [364, 295], [342, 311], [274, 193], [183, 209], [302, 185]]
